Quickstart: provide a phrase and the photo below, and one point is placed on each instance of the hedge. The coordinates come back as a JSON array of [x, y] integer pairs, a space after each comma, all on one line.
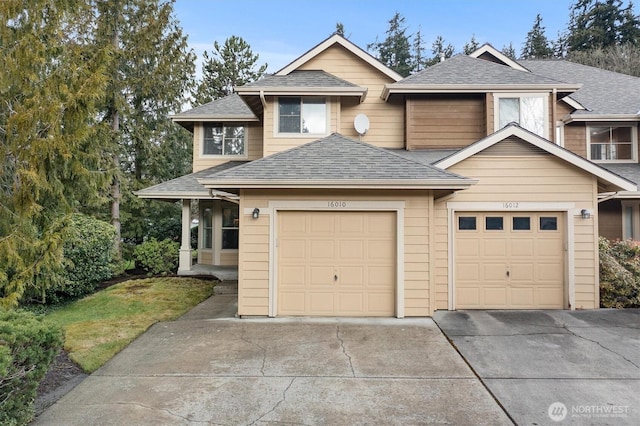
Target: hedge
[[619, 273]]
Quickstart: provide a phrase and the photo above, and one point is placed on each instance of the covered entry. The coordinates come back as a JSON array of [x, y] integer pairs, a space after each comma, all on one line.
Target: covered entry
[[336, 263], [509, 260]]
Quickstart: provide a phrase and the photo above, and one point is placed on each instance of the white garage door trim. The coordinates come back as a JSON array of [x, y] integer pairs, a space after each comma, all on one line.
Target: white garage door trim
[[335, 206], [514, 206]]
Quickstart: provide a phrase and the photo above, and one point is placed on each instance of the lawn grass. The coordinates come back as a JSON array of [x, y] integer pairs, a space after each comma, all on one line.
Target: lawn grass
[[101, 325]]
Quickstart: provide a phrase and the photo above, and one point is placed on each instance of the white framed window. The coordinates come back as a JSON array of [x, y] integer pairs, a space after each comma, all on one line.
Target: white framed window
[[630, 220], [207, 228], [302, 116], [529, 110], [612, 142], [223, 140]]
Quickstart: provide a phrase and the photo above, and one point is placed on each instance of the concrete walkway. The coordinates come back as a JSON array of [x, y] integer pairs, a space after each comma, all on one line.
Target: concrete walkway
[[585, 365], [211, 368]]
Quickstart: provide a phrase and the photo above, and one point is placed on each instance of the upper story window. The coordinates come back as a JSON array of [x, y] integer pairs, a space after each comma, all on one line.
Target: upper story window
[[612, 142], [298, 115], [224, 140], [530, 111]]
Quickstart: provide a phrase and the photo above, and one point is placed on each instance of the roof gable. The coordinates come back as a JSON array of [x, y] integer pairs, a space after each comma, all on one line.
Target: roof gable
[[336, 161], [499, 57], [513, 130], [337, 39]]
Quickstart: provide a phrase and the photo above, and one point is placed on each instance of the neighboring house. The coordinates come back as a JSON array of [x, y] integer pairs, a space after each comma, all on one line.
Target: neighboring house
[[477, 183]]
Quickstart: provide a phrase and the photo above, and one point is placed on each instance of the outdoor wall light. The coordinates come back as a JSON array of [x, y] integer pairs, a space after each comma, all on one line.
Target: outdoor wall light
[[586, 214], [256, 213]]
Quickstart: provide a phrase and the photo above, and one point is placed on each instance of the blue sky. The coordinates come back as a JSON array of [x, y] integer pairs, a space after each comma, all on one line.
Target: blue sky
[[281, 30]]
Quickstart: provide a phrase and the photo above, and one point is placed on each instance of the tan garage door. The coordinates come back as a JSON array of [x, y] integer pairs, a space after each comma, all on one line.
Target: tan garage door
[[336, 263], [509, 260]]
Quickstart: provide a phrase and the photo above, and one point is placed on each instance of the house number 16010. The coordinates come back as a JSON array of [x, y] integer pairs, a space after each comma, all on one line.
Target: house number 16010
[[337, 204]]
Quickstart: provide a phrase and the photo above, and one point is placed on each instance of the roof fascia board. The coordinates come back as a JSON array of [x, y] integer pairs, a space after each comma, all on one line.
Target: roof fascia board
[[487, 48], [310, 54], [342, 184], [573, 103], [173, 195], [541, 143], [473, 88], [601, 117], [205, 117]]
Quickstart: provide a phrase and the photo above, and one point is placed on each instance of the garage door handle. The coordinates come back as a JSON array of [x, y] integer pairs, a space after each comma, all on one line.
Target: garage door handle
[[508, 273], [335, 278]]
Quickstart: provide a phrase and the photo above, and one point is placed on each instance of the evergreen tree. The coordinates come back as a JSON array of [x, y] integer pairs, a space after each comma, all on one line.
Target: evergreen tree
[[339, 29], [395, 50], [52, 81], [419, 59], [471, 46], [232, 64], [624, 59], [151, 76], [440, 51], [536, 45], [509, 51], [601, 23]]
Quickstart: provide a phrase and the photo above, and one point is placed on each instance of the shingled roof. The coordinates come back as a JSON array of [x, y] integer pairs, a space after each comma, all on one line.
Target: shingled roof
[[335, 161], [187, 186], [301, 78], [602, 92], [229, 108]]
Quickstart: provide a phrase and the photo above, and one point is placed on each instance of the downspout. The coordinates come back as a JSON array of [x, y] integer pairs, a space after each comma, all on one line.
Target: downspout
[[553, 116], [263, 100]]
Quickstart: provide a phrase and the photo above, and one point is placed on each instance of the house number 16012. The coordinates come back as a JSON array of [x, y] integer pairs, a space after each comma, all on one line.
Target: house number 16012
[[510, 205], [337, 204]]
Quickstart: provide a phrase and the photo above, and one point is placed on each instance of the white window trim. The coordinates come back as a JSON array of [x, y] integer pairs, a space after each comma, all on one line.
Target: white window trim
[[276, 119], [226, 157], [222, 228], [635, 219], [559, 136], [545, 104], [634, 140]]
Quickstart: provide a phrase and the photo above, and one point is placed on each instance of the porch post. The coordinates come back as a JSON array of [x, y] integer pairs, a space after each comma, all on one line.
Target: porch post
[[185, 248]]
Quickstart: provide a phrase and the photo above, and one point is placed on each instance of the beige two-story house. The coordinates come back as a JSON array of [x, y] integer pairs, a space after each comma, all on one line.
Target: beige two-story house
[[338, 188]]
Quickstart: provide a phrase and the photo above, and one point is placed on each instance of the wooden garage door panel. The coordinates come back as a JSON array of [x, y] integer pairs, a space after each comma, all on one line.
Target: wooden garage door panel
[[336, 263], [512, 267]]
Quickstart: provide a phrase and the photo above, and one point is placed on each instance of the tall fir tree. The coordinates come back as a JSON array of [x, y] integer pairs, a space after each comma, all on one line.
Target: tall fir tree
[[601, 24], [151, 76], [395, 50], [440, 50], [471, 46], [536, 45], [419, 60], [509, 51], [230, 65], [52, 82]]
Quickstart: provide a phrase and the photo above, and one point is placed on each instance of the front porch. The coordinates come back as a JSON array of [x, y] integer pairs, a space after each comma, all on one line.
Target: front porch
[[223, 273]]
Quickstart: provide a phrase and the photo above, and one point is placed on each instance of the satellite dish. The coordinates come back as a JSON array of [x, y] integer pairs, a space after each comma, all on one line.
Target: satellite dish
[[361, 124]]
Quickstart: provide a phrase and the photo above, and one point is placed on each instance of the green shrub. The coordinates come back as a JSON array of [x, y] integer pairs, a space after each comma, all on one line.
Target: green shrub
[[619, 273], [28, 345], [158, 257], [89, 258]]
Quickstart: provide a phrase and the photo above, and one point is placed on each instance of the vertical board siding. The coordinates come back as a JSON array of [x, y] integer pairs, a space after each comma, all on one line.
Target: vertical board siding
[[445, 122], [527, 179], [253, 288]]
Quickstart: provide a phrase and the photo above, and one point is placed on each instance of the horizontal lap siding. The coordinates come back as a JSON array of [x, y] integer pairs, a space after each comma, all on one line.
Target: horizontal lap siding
[[610, 219], [450, 122], [253, 289], [575, 138], [526, 179], [386, 118]]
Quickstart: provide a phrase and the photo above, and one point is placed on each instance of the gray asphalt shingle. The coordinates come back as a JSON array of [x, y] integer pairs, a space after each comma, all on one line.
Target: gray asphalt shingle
[[602, 92], [302, 79], [334, 157], [229, 106], [629, 171]]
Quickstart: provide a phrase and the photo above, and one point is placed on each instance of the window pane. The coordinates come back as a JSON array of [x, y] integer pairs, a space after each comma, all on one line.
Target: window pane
[[532, 115], [467, 223], [521, 223], [234, 141], [628, 223], [212, 141], [599, 134], [207, 229], [289, 110], [509, 111], [494, 223], [314, 112], [230, 216], [229, 238], [548, 223], [621, 134]]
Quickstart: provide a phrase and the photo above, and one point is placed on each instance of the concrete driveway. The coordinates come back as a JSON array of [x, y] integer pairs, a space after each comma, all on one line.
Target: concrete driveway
[[205, 370], [585, 363]]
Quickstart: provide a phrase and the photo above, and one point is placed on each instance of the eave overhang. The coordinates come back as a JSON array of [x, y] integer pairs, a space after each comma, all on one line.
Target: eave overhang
[[208, 117], [341, 184], [360, 92], [415, 89], [570, 118]]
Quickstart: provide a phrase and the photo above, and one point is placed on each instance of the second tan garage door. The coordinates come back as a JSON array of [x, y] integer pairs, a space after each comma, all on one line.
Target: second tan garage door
[[509, 260], [336, 263]]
